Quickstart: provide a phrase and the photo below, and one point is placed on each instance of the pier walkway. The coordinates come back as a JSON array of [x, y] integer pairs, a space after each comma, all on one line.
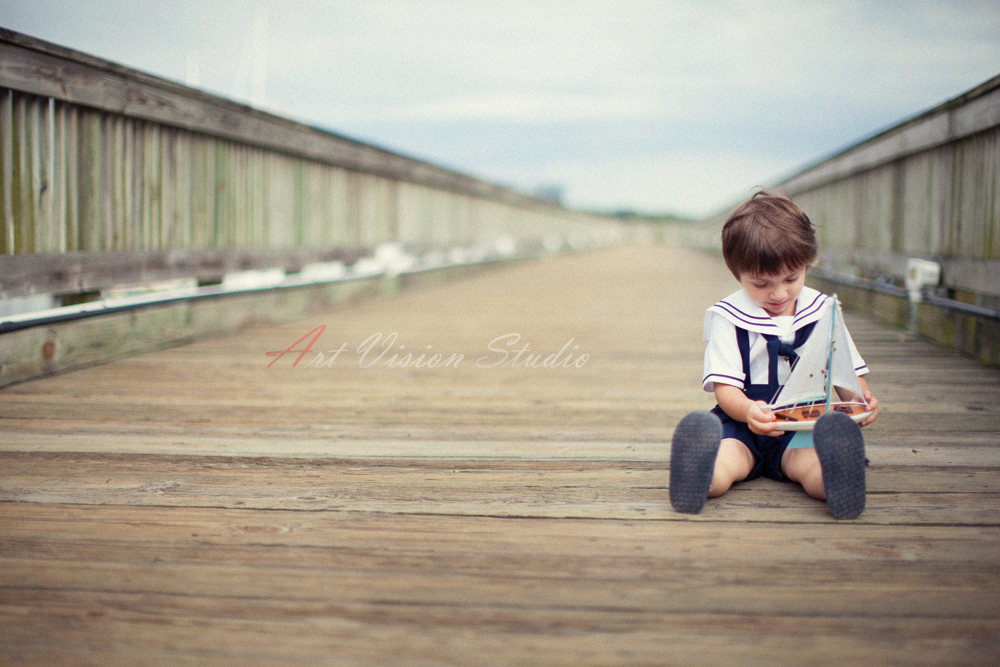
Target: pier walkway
[[213, 505]]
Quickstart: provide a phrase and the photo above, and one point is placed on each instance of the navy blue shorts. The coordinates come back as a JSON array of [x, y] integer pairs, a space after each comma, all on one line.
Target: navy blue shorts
[[767, 450]]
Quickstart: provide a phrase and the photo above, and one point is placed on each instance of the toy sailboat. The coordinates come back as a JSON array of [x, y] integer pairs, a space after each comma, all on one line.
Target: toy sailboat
[[823, 377]]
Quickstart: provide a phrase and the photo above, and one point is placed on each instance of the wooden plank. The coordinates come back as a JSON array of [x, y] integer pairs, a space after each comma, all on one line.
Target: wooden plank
[[462, 562], [173, 631], [558, 490], [89, 181], [368, 440], [24, 211], [71, 472], [7, 241], [116, 210], [951, 551], [74, 233], [45, 232], [60, 208], [581, 583]]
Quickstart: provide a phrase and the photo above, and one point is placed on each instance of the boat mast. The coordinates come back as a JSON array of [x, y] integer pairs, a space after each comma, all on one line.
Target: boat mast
[[829, 363]]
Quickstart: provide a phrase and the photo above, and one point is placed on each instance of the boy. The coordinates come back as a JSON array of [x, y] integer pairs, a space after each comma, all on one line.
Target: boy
[[768, 243]]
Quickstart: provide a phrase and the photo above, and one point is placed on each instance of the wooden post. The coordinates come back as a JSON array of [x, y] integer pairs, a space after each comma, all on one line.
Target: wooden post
[[7, 141]]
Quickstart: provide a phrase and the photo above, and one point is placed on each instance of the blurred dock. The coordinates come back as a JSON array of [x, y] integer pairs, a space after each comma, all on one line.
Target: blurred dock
[[213, 505]]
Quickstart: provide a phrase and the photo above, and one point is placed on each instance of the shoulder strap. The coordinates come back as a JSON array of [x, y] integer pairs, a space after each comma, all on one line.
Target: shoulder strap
[[743, 341]]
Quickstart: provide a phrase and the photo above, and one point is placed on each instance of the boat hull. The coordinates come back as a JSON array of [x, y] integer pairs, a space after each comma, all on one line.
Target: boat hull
[[803, 417]]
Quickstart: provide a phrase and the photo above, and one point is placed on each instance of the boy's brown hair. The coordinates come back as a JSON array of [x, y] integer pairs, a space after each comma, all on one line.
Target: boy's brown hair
[[766, 234]]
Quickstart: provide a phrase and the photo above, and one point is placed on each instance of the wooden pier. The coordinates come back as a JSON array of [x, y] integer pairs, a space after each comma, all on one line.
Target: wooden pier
[[213, 505]]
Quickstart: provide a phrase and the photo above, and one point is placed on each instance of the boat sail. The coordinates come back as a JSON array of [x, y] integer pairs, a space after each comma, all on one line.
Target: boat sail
[[823, 377]]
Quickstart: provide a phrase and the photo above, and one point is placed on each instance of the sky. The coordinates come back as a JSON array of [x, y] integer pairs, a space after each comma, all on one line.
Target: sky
[[671, 106]]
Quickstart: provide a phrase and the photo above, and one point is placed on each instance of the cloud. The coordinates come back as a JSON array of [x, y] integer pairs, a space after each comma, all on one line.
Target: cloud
[[541, 107]]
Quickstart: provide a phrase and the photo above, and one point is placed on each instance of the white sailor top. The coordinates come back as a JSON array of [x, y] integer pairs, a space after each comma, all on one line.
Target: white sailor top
[[724, 363]]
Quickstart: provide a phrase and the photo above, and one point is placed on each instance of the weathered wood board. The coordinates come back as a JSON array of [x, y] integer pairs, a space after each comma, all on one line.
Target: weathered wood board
[[198, 506]]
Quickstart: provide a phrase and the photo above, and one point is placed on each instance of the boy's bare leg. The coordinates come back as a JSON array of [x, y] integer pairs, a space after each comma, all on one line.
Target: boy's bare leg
[[732, 464], [802, 466]]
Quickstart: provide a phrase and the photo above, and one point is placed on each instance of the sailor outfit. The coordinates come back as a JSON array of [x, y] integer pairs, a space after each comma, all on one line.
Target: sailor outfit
[[749, 349]]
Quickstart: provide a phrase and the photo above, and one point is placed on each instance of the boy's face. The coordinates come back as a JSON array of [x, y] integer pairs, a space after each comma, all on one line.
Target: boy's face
[[777, 293]]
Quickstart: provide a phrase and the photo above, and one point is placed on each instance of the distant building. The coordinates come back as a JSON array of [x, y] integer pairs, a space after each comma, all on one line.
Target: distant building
[[552, 193]]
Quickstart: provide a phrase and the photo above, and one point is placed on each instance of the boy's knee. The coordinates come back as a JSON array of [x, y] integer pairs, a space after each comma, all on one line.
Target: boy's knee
[[803, 466], [721, 482], [733, 463], [802, 459]]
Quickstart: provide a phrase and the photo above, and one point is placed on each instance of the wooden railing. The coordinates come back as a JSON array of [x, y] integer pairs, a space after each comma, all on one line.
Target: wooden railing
[[926, 189], [98, 158]]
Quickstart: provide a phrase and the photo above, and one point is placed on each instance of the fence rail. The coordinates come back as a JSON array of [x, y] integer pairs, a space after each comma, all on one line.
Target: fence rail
[[99, 158], [928, 188]]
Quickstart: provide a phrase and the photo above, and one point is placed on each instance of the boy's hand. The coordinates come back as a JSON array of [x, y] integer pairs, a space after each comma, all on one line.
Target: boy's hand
[[873, 406], [761, 420]]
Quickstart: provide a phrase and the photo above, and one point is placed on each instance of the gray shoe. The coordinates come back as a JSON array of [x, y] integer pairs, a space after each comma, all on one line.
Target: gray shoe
[[841, 450], [692, 460]]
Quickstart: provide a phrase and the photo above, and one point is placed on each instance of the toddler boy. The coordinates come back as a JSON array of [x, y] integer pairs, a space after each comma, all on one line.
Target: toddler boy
[[768, 243]]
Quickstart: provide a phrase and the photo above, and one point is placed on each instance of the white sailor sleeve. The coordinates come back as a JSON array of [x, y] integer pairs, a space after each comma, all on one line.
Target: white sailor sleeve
[[723, 363]]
